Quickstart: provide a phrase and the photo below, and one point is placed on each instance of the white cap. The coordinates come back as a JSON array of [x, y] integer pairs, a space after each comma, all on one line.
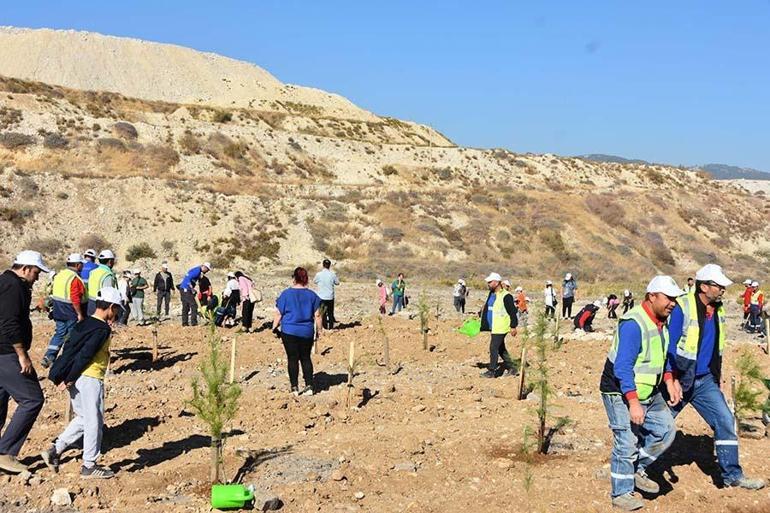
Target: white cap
[[137, 271], [208, 265], [755, 284], [598, 303], [519, 289], [110, 295], [568, 276], [548, 282], [74, 258], [493, 277], [29, 257], [230, 274], [461, 281], [378, 282], [747, 281], [90, 252], [106, 255], [164, 265], [665, 285], [626, 293], [507, 283], [713, 272]]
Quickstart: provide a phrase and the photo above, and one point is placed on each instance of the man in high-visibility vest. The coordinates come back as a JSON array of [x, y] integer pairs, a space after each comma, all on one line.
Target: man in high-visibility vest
[[102, 276], [746, 303], [69, 300], [498, 316], [694, 363], [641, 422], [89, 264], [756, 303]]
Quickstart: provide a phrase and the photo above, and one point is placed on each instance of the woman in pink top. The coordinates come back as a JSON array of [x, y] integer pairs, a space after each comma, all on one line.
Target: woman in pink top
[[247, 312], [382, 292]]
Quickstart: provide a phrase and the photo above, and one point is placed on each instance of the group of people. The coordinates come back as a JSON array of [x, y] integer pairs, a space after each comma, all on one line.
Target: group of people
[[753, 306]]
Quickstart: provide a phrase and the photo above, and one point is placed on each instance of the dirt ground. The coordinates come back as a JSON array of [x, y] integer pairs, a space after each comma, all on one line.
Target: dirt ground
[[432, 437]]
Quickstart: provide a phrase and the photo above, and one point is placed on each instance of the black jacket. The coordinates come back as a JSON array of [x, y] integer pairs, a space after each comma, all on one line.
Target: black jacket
[[510, 308], [87, 338], [162, 285], [15, 326]]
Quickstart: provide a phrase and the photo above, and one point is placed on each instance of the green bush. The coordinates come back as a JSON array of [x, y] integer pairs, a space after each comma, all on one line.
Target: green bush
[[141, 250]]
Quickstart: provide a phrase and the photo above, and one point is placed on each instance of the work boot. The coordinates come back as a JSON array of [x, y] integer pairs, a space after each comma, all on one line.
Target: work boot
[[644, 483], [628, 502], [488, 374], [51, 459], [748, 483], [11, 464], [45, 362], [510, 372]]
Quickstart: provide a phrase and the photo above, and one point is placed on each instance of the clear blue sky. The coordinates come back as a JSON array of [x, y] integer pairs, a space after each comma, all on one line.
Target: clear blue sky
[[671, 81]]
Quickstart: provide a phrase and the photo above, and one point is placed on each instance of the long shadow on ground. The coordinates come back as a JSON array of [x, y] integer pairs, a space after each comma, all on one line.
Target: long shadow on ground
[[687, 449], [256, 458], [144, 362], [323, 381]]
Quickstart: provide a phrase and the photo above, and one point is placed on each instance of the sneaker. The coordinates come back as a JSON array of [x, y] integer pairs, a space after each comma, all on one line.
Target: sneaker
[[748, 483], [11, 464], [627, 502], [308, 390], [51, 459], [510, 372], [45, 362], [644, 483], [488, 374], [96, 472], [295, 391]]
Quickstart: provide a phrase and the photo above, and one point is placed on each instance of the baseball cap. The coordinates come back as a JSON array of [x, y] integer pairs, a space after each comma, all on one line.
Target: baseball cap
[[137, 271], [90, 252], [548, 282], [74, 258], [755, 284], [568, 276], [164, 265], [714, 273], [493, 277], [519, 289], [29, 257], [664, 285], [327, 261], [110, 295], [231, 274], [747, 281], [106, 255], [207, 265], [507, 283]]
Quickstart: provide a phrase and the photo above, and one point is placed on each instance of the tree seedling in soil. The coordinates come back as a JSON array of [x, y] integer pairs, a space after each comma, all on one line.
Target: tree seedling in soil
[[746, 392], [155, 321], [214, 400], [424, 310], [385, 342], [523, 391], [351, 372]]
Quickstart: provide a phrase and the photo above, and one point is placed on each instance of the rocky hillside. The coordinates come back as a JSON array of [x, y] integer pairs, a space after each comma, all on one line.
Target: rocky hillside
[[275, 183]]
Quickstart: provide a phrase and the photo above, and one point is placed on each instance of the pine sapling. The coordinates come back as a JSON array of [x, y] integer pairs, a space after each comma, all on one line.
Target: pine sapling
[[424, 310], [746, 398], [385, 342], [351, 372]]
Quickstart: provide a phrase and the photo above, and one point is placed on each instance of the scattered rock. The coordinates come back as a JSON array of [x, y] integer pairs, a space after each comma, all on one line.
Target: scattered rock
[[504, 463], [418, 408], [25, 476], [273, 504], [61, 497], [338, 475], [359, 495], [405, 466]]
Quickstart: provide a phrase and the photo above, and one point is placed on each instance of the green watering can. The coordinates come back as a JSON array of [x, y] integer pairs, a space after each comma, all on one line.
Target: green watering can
[[232, 496], [470, 327]]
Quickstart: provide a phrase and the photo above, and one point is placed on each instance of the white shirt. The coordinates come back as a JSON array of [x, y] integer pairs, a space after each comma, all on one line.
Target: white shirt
[[549, 295], [232, 284]]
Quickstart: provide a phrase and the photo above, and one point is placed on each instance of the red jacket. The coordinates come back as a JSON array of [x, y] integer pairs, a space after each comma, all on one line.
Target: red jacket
[[747, 299]]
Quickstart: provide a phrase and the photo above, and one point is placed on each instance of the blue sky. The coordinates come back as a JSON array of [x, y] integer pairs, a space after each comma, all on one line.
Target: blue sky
[[681, 82]]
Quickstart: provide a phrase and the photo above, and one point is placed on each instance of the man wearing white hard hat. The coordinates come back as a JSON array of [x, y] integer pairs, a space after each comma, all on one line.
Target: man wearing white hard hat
[[69, 303], [18, 379], [747, 291], [102, 276], [80, 370], [187, 293], [641, 422], [459, 295], [694, 364], [89, 264], [498, 316], [756, 304], [568, 295]]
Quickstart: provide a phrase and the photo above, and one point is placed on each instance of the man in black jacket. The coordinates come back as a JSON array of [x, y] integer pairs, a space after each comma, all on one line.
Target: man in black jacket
[[162, 286], [18, 378], [498, 316], [80, 369]]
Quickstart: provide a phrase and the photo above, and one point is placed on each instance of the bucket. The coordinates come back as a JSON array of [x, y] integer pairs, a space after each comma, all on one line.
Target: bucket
[[470, 327], [230, 496]]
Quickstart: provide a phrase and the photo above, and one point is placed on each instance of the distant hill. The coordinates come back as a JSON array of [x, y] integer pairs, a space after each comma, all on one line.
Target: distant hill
[[600, 157], [725, 172]]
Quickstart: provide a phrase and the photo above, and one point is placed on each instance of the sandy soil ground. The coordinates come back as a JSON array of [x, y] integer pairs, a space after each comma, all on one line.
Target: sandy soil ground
[[433, 437]]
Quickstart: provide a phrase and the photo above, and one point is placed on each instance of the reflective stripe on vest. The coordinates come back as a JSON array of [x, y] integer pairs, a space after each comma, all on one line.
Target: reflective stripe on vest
[[96, 280], [687, 347], [62, 286], [650, 363], [501, 321], [755, 297]]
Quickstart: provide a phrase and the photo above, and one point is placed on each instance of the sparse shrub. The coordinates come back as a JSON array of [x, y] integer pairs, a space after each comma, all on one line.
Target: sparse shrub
[[110, 143], [748, 391], [659, 251], [190, 144], [167, 245], [161, 158], [222, 116], [62, 195], [125, 131], [13, 140], [140, 250], [47, 246], [55, 141], [94, 241], [392, 234], [389, 170], [15, 215], [235, 150], [9, 117]]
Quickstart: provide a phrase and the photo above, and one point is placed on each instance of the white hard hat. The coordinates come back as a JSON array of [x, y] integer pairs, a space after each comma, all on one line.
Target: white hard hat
[[231, 274], [461, 281], [747, 281], [207, 265], [518, 289], [110, 295], [597, 303], [29, 257], [106, 255], [137, 271], [713, 272], [548, 282], [378, 282], [755, 284], [507, 283], [164, 265], [90, 252], [493, 277], [626, 293], [568, 276], [74, 258], [664, 285]]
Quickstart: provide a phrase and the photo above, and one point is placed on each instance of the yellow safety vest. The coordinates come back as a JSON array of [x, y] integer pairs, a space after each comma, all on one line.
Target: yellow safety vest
[[649, 365], [99, 278], [501, 321], [687, 347], [755, 297], [62, 286]]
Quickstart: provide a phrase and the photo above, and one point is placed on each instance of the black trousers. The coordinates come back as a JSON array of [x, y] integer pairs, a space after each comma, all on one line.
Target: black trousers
[[550, 311], [189, 308], [247, 314], [298, 352], [26, 391], [497, 349], [327, 315], [566, 307], [163, 297]]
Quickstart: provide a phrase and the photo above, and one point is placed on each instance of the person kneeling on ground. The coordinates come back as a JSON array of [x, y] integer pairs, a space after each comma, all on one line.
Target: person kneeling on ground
[[80, 370], [498, 316], [641, 422], [585, 317]]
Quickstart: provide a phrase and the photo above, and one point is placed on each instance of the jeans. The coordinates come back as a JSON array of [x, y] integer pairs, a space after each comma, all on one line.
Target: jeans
[[566, 307], [710, 404], [459, 303], [87, 396], [137, 308], [327, 313], [754, 321], [298, 352], [60, 335], [398, 304], [25, 390], [497, 349], [163, 297], [636, 447], [189, 308]]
